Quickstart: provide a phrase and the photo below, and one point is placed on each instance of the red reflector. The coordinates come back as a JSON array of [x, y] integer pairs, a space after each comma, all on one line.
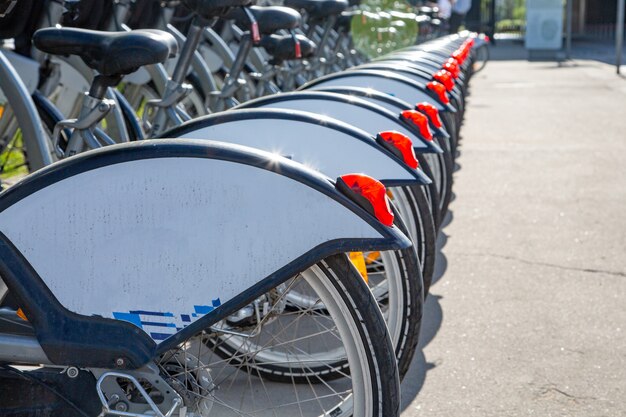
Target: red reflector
[[459, 55], [403, 144], [452, 67], [374, 192], [467, 48], [487, 39], [298, 49], [440, 90], [256, 35], [419, 120], [432, 113], [445, 78]]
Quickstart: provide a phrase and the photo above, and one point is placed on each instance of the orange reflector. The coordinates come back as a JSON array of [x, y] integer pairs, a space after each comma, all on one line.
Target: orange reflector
[[358, 260], [440, 90], [445, 78], [21, 314], [419, 120], [369, 193], [372, 257], [402, 144], [1, 111], [432, 113]]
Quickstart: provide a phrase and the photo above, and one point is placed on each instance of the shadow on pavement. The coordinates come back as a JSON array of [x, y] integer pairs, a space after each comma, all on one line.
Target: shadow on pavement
[[431, 323], [433, 315]]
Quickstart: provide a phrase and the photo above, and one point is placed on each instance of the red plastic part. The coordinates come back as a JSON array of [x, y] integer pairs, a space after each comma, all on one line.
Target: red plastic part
[[298, 49], [440, 90], [445, 78], [452, 67], [459, 55], [419, 120], [374, 192], [254, 30], [432, 113], [402, 143]]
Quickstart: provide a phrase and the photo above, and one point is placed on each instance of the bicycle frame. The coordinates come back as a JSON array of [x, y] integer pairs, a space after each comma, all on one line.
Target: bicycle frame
[[25, 112]]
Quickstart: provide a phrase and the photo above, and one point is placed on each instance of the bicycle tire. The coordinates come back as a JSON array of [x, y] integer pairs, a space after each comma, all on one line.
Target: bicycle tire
[[414, 208], [405, 330]]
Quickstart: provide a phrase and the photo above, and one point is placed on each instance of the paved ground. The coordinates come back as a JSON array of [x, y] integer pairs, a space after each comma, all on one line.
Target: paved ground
[[528, 317]]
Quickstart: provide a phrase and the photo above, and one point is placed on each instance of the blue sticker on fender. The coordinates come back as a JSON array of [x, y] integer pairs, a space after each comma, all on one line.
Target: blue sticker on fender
[[161, 325]]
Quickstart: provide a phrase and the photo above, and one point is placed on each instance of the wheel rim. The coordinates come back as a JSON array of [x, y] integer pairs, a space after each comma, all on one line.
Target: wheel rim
[[255, 396]]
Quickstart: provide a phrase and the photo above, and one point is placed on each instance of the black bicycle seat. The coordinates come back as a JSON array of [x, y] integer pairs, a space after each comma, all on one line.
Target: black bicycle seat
[[214, 8], [270, 19], [318, 9], [282, 47], [109, 53]]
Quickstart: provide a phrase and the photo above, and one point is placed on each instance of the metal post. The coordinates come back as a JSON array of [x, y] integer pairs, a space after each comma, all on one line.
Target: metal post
[[568, 44], [619, 34]]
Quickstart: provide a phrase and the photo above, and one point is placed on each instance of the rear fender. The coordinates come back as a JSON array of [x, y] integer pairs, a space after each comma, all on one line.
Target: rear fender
[[324, 144], [413, 72], [169, 235], [352, 110], [424, 62], [386, 82], [393, 104]]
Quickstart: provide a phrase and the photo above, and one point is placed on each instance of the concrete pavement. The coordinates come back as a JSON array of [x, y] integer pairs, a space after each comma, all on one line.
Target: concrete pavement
[[528, 314]]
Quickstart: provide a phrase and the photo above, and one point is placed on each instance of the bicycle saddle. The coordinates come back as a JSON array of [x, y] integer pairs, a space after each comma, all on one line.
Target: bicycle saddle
[[214, 8], [270, 19], [109, 53], [318, 9], [284, 48]]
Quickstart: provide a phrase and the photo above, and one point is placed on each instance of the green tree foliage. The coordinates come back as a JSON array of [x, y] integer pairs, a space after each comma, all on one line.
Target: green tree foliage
[[384, 26], [510, 9], [510, 15]]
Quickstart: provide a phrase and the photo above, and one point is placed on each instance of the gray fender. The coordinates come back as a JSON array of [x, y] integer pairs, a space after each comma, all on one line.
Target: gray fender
[[173, 230], [355, 111], [324, 144], [386, 82]]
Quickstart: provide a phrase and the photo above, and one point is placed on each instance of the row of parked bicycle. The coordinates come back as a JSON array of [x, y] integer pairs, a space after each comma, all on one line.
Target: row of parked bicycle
[[228, 209]]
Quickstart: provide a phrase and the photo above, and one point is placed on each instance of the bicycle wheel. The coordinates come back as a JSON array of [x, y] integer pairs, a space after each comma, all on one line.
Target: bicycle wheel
[[441, 165], [348, 337], [481, 56], [415, 211], [395, 280]]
